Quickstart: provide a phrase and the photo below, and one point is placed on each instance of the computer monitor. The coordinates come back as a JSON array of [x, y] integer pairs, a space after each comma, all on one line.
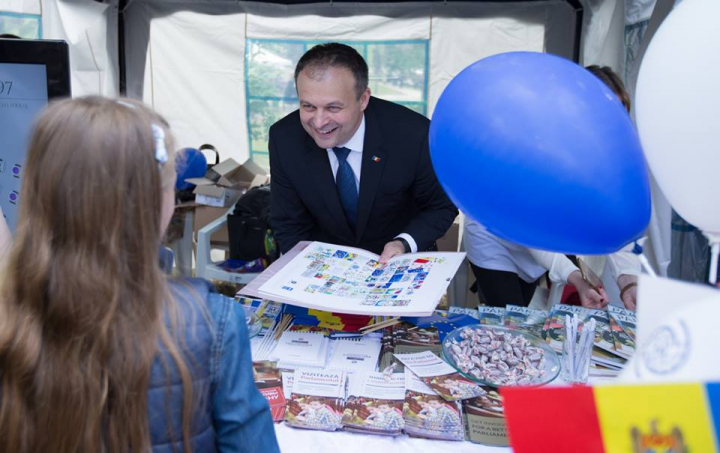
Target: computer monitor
[[31, 74]]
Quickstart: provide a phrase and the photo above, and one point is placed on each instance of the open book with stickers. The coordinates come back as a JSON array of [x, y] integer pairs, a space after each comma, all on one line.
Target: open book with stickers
[[350, 280]]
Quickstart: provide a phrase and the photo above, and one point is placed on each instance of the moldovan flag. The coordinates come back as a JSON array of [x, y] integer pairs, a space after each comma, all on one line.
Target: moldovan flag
[[669, 418]]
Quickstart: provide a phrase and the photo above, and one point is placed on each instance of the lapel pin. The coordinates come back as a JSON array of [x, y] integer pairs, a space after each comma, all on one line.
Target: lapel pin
[[375, 159]]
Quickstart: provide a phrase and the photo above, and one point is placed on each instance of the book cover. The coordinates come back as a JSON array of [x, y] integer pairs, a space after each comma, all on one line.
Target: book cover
[[607, 359], [270, 383], [484, 419], [472, 312], [350, 280], [624, 343], [493, 316], [603, 335], [317, 400], [427, 414], [604, 352], [406, 338], [410, 339], [555, 332], [374, 403], [625, 319], [525, 319], [598, 370]]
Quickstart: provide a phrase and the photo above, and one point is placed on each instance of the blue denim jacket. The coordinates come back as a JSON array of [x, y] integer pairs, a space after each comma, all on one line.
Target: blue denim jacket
[[229, 415]]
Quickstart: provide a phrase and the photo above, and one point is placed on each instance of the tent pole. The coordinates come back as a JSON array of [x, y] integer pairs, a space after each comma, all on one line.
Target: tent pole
[[121, 47], [578, 9]]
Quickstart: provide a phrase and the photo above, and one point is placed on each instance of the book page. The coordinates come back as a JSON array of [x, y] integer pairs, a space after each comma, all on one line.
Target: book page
[[356, 354], [349, 280]]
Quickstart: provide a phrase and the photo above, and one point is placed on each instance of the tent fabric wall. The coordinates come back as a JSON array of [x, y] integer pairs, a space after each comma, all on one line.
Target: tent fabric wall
[[21, 6], [191, 64], [90, 29]]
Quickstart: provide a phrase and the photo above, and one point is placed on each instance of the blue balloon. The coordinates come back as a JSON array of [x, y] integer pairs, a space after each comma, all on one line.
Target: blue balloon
[[542, 153], [190, 163]]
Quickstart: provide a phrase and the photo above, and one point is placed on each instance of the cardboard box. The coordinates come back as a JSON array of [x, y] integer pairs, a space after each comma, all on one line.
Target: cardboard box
[[229, 173], [225, 182], [216, 196], [206, 214]]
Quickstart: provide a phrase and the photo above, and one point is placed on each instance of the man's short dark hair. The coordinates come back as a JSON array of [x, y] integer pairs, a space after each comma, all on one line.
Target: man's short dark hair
[[9, 36], [335, 54]]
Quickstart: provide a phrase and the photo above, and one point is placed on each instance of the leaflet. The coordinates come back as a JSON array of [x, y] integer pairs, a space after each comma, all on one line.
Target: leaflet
[[375, 403], [428, 415], [317, 400]]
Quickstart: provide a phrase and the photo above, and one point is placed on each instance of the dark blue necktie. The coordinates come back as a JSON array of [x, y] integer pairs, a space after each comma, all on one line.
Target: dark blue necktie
[[345, 180]]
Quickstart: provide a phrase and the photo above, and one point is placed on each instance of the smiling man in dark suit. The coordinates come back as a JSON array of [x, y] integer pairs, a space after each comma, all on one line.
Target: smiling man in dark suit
[[351, 169]]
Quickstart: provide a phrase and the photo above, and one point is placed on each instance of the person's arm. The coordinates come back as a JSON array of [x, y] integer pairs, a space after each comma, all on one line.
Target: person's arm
[[625, 268], [241, 415], [558, 265], [436, 211], [589, 297], [289, 218], [562, 270]]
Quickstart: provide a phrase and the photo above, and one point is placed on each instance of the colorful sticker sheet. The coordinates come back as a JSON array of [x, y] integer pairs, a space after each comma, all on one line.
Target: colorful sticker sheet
[[350, 280]]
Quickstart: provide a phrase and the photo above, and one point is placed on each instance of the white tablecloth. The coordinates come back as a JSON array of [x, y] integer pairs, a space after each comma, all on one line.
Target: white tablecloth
[[293, 440]]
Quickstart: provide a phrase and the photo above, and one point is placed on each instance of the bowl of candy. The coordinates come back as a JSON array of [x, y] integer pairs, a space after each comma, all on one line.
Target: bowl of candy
[[500, 356]]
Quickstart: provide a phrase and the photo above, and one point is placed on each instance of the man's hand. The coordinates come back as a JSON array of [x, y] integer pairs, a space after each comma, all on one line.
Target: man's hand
[[391, 249], [628, 288], [589, 297]]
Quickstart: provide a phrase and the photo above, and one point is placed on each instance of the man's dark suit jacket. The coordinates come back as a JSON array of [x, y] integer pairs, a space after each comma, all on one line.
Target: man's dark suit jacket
[[399, 192]]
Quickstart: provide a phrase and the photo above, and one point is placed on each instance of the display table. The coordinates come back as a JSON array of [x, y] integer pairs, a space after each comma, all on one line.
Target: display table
[[302, 440]]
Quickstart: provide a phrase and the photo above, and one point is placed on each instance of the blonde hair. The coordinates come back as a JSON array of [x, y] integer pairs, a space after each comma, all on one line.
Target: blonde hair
[[83, 298]]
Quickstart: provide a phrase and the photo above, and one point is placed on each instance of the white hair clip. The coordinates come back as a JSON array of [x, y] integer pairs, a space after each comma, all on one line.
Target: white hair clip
[[126, 104], [161, 154]]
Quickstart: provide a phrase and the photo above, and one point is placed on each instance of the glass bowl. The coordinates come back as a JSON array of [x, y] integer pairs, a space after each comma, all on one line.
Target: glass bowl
[[550, 369], [254, 324]]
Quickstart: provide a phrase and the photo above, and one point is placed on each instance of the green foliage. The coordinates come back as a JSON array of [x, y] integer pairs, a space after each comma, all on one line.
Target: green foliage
[[398, 72], [26, 26]]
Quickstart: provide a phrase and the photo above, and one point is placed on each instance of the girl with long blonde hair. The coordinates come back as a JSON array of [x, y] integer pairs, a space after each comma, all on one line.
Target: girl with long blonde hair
[[98, 351]]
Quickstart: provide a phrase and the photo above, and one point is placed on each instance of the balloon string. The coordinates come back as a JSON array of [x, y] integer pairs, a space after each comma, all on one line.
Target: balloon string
[[714, 252], [638, 250]]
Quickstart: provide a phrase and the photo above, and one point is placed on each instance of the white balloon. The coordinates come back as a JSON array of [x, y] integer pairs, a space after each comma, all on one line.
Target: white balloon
[[678, 111]]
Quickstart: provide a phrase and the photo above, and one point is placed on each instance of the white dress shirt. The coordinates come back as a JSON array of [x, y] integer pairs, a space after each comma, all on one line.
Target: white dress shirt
[[488, 251], [356, 145]]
